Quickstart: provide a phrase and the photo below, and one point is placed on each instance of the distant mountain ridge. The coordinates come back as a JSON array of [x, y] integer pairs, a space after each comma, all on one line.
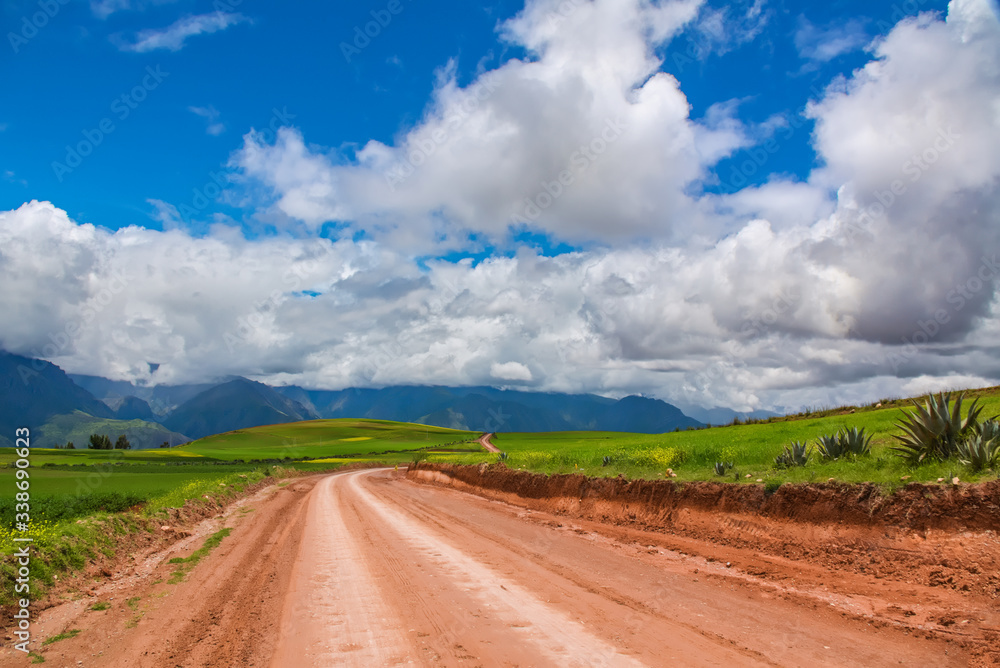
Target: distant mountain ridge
[[40, 396], [61, 407], [237, 404], [492, 409]]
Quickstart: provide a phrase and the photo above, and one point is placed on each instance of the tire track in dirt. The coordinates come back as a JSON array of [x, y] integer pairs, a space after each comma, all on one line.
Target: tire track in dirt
[[554, 634], [335, 614], [374, 569]]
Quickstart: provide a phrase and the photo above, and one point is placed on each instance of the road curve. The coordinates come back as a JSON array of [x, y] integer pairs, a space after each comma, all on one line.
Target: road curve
[[390, 572], [484, 441]]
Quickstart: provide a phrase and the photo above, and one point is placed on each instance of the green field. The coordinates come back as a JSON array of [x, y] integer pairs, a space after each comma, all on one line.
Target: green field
[[751, 447], [317, 439], [78, 497]]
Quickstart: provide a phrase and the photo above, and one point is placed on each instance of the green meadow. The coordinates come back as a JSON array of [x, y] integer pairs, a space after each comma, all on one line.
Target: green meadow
[[317, 439], [79, 498], [751, 448]]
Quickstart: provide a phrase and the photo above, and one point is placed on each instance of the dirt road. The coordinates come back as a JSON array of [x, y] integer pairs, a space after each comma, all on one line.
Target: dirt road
[[371, 569], [484, 441]]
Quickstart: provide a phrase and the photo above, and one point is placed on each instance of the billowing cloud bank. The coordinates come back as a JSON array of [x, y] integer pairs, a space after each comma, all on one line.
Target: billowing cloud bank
[[875, 276]]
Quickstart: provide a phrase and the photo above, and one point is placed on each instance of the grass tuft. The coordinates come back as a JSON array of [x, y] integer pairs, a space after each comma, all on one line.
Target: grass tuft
[[71, 633], [185, 564]]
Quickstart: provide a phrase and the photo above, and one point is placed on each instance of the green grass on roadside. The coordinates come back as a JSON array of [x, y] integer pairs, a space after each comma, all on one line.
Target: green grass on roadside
[[751, 447], [71, 633], [185, 564]]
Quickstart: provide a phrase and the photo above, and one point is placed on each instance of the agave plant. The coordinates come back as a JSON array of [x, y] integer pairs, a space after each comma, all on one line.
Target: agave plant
[[830, 446], [934, 430], [502, 457], [722, 467], [855, 441], [989, 429], [796, 455], [606, 461], [979, 451]]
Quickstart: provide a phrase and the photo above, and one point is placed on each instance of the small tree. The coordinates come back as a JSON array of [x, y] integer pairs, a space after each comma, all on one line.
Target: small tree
[[165, 444], [70, 446], [99, 442], [122, 443]]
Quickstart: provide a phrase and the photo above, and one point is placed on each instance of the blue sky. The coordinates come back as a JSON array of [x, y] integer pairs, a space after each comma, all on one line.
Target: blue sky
[[754, 204], [291, 59]]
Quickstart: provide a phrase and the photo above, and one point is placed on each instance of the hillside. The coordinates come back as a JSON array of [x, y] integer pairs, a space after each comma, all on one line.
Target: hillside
[[238, 404], [327, 438], [33, 391], [491, 409], [77, 427]]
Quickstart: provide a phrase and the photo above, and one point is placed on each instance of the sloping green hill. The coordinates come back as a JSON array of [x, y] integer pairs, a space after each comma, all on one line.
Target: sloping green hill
[[751, 447], [32, 391], [240, 403], [78, 427], [324, 438]]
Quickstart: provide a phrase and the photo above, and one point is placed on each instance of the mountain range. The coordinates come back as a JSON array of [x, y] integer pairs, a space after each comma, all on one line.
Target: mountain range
[[60, 407]]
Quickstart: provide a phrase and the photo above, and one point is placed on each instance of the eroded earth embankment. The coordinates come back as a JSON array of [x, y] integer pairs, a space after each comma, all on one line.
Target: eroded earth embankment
[[935, 545]]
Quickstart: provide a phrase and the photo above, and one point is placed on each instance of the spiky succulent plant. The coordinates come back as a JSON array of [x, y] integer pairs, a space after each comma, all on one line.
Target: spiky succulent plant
[[934, 430], [979, 452], [855, 441], [721, 468], [830, 446], [795, 455]]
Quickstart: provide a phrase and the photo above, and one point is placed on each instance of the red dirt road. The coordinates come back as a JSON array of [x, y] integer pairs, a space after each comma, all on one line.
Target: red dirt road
[[368, 568], [484, 441]]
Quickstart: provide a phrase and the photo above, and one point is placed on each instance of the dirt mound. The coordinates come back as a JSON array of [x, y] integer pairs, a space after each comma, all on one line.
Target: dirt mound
[[937, 543], [657, 502]]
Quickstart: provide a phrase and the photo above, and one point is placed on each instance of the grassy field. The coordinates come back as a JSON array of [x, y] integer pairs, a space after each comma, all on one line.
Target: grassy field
[[318, 439], [80, 500], [751, 447]]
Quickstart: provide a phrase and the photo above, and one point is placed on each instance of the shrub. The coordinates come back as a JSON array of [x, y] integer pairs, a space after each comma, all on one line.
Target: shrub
[[830, 446], [721, 468], [989, 429], [855, 442], [934, 430], [796, 455], [979, 452], [846, 442]]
